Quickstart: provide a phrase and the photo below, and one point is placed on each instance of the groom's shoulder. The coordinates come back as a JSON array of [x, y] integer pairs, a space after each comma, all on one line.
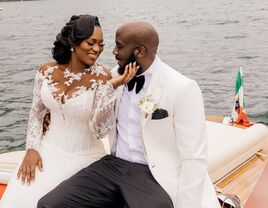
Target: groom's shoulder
[[174, 77]]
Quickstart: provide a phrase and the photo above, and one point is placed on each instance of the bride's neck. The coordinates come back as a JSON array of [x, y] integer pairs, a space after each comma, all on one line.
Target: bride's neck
[[76, 66]]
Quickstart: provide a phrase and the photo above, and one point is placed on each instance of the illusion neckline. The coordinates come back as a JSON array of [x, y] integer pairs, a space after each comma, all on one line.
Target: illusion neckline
[[66, 101]]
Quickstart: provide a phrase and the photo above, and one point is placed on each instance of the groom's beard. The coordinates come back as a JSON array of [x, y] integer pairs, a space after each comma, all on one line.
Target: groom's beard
[[131, 59]]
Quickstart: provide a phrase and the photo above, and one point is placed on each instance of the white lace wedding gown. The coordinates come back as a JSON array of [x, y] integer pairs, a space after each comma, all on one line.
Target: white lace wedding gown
[[71, 142]]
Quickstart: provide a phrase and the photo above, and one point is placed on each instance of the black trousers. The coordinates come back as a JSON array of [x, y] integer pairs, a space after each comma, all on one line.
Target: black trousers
[[109, 183]]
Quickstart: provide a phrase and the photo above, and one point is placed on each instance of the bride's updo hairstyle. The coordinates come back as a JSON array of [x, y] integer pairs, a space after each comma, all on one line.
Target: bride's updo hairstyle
[[73, 33]]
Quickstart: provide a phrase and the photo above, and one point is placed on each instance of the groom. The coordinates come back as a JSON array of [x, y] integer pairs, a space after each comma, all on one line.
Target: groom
[[158, 144]]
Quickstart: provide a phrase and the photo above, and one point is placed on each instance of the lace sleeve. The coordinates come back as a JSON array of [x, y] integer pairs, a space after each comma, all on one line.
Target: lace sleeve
[[37, 113], [102, 117]]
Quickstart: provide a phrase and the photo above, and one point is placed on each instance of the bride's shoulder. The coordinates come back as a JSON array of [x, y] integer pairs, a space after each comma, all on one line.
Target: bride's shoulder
[[48, 67], [103, 73]]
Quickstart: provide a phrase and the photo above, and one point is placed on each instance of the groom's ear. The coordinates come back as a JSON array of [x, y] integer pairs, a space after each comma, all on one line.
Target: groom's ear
[[140, 51]]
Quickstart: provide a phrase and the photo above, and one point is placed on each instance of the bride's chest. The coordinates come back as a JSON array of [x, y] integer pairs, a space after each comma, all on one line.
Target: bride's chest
[[80, 105]]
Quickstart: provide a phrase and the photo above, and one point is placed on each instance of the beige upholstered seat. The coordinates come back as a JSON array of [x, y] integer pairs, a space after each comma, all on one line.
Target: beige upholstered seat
[[228, 146]]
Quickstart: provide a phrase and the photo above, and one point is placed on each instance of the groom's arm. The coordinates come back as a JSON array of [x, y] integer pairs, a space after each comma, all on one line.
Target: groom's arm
[[46, 123], [190, 128]]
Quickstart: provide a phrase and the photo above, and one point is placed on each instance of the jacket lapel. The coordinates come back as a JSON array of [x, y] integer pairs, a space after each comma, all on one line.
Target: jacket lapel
[[155, 89]]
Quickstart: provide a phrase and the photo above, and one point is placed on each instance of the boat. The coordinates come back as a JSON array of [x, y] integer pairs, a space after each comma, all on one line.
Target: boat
[[234, 153]]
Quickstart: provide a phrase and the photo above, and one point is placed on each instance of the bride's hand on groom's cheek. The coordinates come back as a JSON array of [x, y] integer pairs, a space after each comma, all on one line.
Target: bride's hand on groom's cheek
[[26, 171], [130, 71]]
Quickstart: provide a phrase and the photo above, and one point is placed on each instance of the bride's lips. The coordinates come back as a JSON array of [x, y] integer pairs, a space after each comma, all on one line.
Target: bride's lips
[[93, 56]]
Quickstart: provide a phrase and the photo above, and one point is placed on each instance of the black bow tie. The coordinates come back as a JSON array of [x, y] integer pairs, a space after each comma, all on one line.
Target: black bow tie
[[140, 82]]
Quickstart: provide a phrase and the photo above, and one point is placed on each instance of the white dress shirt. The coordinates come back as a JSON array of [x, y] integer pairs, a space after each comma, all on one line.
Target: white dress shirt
[[130, 143]]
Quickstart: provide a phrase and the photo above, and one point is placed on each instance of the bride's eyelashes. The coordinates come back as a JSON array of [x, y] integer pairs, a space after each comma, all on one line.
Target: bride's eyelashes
[[92, 43]]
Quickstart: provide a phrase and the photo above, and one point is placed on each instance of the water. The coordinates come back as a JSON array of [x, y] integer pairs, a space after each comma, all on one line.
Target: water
[[205, 40]]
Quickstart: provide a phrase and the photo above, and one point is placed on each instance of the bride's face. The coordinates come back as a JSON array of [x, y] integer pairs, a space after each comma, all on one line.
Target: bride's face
[[89, 49]]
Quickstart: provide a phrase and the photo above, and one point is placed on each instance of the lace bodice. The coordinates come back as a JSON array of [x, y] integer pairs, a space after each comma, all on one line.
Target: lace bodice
[[85, 112]]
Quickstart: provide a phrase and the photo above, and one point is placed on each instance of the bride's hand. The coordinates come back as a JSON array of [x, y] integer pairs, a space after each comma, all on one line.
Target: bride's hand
[[130, 71], [27, 169]]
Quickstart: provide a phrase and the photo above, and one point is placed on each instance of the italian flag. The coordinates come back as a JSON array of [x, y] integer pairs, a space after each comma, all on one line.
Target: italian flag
[[239, 115]]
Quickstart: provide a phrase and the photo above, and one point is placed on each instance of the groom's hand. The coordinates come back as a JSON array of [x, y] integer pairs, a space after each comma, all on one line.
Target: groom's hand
[[46, 123], [130, 71], [27, 169]]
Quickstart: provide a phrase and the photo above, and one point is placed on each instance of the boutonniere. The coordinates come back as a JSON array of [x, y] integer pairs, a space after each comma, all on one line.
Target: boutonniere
[[147, 105]]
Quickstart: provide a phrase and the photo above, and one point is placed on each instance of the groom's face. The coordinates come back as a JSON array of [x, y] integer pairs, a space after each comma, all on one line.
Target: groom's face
[[123, 51]]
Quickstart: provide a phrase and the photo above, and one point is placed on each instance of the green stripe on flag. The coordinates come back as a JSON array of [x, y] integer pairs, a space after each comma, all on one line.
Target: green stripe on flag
[[239, 82]]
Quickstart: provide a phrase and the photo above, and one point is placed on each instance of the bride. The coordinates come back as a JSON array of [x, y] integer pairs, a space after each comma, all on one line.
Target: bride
[[80, 95]]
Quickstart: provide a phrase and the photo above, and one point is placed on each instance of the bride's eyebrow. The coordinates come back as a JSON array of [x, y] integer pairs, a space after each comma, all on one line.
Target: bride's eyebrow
[[95, 40]]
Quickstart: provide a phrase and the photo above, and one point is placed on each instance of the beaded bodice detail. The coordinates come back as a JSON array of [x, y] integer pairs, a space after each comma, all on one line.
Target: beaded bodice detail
[[81, 107]]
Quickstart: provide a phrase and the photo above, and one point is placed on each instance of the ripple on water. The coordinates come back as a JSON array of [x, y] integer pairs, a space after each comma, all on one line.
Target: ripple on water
[[235, 37], [226, 22], [247, 57]]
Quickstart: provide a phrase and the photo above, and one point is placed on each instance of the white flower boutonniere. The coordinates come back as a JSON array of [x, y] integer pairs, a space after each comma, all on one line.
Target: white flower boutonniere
[[147, 105]]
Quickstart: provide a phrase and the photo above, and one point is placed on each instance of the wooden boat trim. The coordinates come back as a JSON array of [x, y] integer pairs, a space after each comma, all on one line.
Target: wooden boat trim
[[243, 165], [242, 181]]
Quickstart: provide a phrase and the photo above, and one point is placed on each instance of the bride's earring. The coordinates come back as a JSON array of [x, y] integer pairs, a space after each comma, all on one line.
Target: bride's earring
[[72, 49]]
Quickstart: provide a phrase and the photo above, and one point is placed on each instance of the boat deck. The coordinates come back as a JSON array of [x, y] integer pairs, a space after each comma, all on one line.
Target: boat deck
[[243, 180]]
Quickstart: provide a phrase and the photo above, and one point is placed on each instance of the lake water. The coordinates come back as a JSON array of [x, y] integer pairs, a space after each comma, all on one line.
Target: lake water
[[205, 40]]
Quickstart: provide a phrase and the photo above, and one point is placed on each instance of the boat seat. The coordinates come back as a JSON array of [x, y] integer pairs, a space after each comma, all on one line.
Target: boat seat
[[8, 164], [229, 147]]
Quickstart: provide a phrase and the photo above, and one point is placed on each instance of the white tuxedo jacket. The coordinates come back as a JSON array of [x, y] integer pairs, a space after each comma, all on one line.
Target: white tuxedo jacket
[[175, 146]]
